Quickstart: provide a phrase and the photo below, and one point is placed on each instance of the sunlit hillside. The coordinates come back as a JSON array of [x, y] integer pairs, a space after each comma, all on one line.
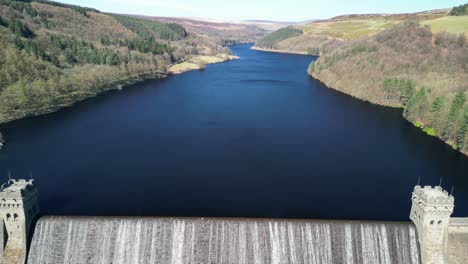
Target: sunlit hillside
[[414, 61], [452, 24], [54, 54], [348, 27], [408, 66]]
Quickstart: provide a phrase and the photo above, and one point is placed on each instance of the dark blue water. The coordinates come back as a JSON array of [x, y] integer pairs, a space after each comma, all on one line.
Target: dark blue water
[[254, 137]]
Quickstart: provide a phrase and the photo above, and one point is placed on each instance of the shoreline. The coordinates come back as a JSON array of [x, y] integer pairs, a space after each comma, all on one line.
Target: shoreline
[[420, 126], [116, 85], [279, 51], [123, 83], [198, 63]]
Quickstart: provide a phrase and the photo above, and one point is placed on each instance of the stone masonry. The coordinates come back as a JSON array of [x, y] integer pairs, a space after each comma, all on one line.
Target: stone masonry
[[442, 240], [18, 208]]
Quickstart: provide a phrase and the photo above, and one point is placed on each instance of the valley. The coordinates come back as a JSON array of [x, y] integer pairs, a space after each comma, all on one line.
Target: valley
[[417, 62]]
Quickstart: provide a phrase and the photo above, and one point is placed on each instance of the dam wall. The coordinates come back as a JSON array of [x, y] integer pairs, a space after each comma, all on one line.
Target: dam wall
[[216, 240], [458, 241]]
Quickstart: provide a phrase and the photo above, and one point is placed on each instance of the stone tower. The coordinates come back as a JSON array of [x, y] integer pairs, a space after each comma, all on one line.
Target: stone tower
[[430, 212], [18, 208]]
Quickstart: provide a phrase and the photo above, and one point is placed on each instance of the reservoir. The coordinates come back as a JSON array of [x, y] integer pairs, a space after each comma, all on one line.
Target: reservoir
[[255, 137]]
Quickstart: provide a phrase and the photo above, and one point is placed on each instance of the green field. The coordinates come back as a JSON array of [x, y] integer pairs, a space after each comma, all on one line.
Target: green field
[[452, 24], [349, 29], [355, 28]]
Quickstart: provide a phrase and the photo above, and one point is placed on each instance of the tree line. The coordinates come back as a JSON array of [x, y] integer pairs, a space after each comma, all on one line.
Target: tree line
[[148, 29], [433, 117], [272, 39], [25, 6], [461, 10], [140, 44]]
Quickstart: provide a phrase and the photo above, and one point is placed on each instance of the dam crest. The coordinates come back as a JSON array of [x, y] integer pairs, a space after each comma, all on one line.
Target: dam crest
[[433, 237]]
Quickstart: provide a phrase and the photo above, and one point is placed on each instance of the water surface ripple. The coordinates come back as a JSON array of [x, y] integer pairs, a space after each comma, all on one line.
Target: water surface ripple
[[254, 137]]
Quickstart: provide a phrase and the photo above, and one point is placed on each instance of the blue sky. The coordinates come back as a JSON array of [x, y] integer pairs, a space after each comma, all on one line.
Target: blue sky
[[280, 10]]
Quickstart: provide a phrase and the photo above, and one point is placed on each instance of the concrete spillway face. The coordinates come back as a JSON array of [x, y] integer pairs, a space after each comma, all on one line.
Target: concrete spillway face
[[172, 240]]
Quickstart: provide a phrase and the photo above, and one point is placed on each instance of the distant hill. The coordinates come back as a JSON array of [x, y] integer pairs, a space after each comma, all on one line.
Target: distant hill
[[227, 32], [269, 21], [54, 54], [284, 23], [347, 27]]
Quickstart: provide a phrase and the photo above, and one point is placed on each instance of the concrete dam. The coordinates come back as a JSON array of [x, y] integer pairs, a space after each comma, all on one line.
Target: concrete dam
[[187, 240], [433, 236]]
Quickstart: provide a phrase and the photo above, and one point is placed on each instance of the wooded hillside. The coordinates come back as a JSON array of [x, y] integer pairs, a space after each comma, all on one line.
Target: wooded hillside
[[407, 66], [461, 10], [53, 54], [418, 62], [271, 40]]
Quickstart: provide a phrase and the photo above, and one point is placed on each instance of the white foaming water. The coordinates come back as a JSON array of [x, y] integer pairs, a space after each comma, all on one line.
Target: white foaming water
[[348, 245], [243, 241]]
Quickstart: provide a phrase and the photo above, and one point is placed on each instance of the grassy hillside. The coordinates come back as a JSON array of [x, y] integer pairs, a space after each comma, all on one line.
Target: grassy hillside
[[411, 67], [314, 35], [52, 54], [451, 24], [350, 27]]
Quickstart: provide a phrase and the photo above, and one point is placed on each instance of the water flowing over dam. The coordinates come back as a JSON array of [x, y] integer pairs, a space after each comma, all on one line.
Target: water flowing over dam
[[218, 240]]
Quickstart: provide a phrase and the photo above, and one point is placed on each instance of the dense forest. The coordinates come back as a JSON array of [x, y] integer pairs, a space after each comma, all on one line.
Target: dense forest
[[270, 41], [53, 54], [150, 29], [407, 66]]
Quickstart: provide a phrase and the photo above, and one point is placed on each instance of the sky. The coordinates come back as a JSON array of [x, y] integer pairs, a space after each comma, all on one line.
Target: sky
[[278, 10]]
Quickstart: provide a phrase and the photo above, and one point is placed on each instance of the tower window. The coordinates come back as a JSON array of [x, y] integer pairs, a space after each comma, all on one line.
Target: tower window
[[8, 216], [432, 222], [440, 222], [15, 216]]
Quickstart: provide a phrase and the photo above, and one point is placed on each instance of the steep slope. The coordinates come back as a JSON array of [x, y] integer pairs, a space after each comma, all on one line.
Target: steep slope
[[418, 62], [407, 66], [53, 54]]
